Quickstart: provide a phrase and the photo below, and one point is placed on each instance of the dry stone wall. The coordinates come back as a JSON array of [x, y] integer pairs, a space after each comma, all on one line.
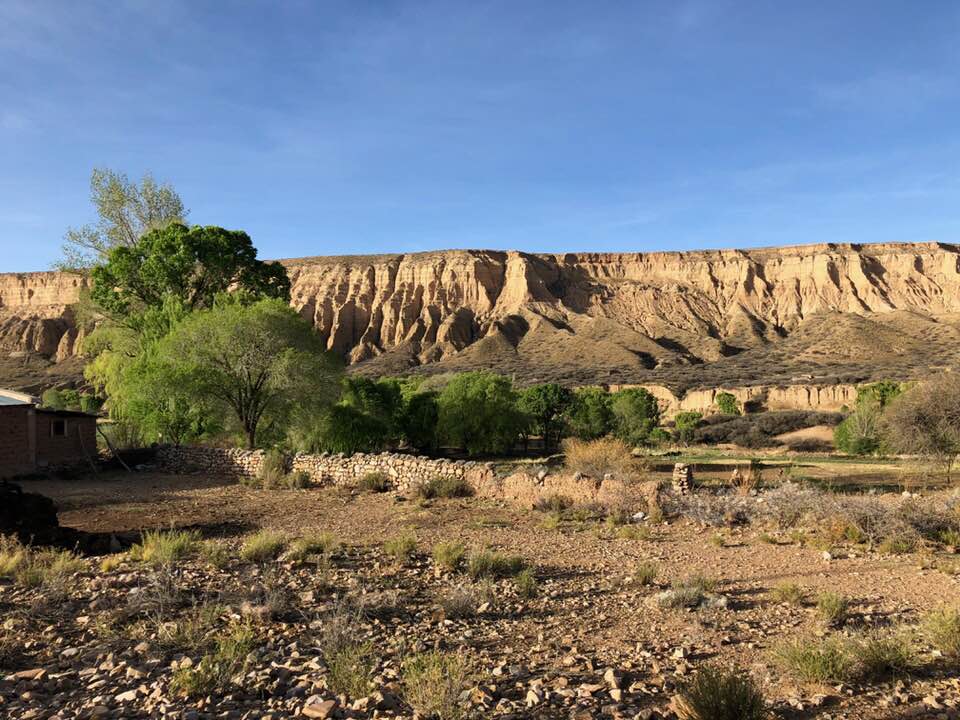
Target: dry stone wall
[[408, 471], [404, 471]]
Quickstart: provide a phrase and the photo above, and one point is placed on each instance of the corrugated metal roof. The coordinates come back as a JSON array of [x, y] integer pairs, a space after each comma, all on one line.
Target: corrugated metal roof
[[11, 397]]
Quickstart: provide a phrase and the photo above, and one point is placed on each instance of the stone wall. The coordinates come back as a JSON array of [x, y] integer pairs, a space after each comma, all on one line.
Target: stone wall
[[408, 471], [404, 471]]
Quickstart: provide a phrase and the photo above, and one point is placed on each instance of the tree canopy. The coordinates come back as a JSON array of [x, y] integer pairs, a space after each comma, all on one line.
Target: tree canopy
[[589, 416], [125, 212], [478, 411], [192, 264], [544, 406], [635, 414], [260, 365]]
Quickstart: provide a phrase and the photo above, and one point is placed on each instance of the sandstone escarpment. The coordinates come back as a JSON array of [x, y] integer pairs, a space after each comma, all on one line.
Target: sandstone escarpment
[[772, 320]]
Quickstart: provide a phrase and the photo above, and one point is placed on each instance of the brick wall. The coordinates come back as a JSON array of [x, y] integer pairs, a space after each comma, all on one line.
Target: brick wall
[[73, 448], [15, 456]]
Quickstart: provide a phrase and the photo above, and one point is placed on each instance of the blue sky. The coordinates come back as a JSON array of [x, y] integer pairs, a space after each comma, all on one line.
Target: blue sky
[[330, 128]]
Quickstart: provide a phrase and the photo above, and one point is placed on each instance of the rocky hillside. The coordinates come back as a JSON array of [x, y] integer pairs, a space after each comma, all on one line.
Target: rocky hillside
[[794, 316]]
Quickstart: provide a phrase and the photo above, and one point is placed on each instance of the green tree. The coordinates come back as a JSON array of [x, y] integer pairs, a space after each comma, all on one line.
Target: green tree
[[589, 416], [478, 411], [859, 432], [545, 406], [635, 414], [421, 414], [685, 425], [125, 212], [52, 398], [193, 264], [882, 393], [380, 399], [262, 363], [727, 403], [925, 420], [345, 429]]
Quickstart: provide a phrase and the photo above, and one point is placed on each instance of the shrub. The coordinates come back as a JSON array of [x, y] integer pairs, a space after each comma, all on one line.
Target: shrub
[[215, 554], [634, 532], [596, 458], [459, 602], [714, 509], [898, 544], [925, 421], [553, 503], [789, 593], [882, 655], [717, 693], [324, 544], [726, 403], [262, 546], [347, 429], [349, 668], [689, 592], [718, 540], [832, 608], [374, 482], [215, 669], [433, 682], [444, 487], [489, 564], [401, 548], [449, 555], [552, 521], [273, 469], [526, 583], [645, 573], [685, 423], [163, 547], [815, 660], [942, 627]]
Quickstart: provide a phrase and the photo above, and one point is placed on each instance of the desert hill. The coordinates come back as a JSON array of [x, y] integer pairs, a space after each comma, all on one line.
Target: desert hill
[[813, 315]]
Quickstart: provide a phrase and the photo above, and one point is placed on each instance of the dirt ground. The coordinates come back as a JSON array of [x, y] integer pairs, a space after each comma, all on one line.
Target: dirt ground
[[586, 607]]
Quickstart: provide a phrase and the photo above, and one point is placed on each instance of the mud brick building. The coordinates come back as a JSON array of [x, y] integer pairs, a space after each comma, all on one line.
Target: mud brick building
[[35, 439]]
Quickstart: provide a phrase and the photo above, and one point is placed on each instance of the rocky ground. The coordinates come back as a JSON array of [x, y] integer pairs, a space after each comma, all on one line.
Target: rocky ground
[[339, 626]]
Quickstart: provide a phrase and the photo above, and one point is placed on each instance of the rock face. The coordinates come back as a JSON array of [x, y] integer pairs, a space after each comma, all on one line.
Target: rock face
[[795, 320]]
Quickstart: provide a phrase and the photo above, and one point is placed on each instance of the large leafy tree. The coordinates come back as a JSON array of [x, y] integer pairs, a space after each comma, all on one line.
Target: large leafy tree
[[260, 364], [925, 420], [193, 264], [545, 405], [478, 411], [589, 416], [635, 414], [126, 210]]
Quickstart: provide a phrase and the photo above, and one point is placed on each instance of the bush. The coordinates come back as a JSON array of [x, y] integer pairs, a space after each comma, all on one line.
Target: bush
[[374, 482], [401, 548], [215, 670], [832, 608], [346, 429], [163, 547], [789, 593], [726, 403], [433, 682], [526, 583], [553, 503], [262, 546], [349, 668], [813, 660], [942, 627], [489, 564], [596, 458], [319, 544], [685, 423], [645, 573], [717, 693], [460, 602], [882, 655], [444, 487], [449, 555]]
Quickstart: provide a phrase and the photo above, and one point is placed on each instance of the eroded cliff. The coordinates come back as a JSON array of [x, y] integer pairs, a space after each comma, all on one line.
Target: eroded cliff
[[786, 317]]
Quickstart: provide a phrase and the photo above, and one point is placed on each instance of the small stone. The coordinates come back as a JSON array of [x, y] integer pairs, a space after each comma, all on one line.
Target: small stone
[[320, 710]]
